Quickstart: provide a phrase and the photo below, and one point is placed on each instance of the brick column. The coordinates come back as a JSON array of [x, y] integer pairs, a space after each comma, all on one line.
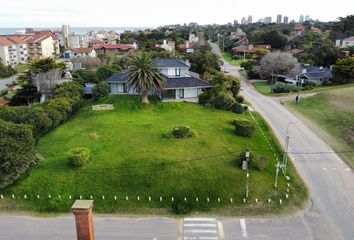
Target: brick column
[[82, 210]]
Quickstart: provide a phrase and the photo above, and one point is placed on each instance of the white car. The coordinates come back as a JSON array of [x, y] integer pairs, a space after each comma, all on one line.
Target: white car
[[226, 70]]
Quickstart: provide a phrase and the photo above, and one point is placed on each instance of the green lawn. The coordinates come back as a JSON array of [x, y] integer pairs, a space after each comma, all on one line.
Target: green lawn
[[234, 62], [333, 112], [265, 88], [130, 157]]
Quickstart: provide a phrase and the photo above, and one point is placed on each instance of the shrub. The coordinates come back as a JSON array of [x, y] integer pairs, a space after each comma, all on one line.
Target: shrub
[[224, 101], [182, 132], [240, 99], [101, 90], [237, 108], [244, 128], [262, 162], [284, 88], [16, 155], [78, 157]]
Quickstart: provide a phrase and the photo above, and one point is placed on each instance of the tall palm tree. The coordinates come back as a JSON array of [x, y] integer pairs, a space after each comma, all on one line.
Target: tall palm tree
[[144, 77]]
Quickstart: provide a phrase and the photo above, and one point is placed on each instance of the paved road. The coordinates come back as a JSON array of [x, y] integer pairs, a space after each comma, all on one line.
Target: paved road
[[329, 216], [6, 81], [331, 181]]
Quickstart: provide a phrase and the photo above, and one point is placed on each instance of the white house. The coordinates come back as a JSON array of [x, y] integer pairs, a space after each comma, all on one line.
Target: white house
[[348, 42], [180, 83], [168, 45], [83, 52]]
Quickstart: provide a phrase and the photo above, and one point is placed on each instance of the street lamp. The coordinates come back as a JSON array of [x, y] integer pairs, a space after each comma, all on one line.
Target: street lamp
[[285, 153]]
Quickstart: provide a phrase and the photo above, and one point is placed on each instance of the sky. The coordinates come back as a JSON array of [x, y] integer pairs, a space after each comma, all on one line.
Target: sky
[[154, 13]]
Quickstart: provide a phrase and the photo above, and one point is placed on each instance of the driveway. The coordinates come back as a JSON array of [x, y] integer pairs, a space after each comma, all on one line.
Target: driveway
[[7, 81]]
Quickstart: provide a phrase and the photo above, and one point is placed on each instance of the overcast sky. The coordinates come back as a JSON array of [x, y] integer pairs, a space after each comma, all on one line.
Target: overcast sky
[[153, 13]]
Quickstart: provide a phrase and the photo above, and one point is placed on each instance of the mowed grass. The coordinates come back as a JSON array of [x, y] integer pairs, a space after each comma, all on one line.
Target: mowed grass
[[130, 158], [263, 87], [234, 62], [333, 112]]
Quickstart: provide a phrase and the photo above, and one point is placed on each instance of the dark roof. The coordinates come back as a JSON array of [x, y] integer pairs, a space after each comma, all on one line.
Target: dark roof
[[175, 82], [121, 77], [170, 62], [313, 72], [182, 82]]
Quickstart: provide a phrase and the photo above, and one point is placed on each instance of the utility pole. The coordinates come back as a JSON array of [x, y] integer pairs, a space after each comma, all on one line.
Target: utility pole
[[285, 153]]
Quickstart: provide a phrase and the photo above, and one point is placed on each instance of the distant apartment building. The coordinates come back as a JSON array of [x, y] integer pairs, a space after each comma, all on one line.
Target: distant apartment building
[[279, 18], [13, 50], [249, 19], [301, 19], [268, 20], [286, 20], [243, 21], [66, 35], [307, 18]]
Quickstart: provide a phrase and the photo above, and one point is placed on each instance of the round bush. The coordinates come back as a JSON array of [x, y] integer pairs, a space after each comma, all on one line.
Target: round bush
[[238, 108], [244, 128], [182, 132], [78, 157]]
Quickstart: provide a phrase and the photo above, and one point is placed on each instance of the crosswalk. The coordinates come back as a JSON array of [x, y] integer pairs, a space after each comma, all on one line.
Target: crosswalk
[[202, 229]]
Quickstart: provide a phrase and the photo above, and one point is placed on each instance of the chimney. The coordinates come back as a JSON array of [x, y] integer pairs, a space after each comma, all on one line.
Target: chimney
[[82, 210]]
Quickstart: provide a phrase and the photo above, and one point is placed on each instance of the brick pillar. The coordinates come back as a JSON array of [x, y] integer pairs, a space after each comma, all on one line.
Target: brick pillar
[[82, 210]]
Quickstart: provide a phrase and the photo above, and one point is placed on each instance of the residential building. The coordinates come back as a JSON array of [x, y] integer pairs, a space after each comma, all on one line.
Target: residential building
[[249, 19], [41, 46], [315, 30], [193, 38], [66, 34], [317, 75], [95, 43], [13, 50], [298, 30], [188, 47], [117, 48], [279, 18], [301, 19], [347, 42], [75, 41], [180, 83], [268, 20], [80, 52], [286, 20], [168, 45], [8, 52], [243, 21], [250, 49]]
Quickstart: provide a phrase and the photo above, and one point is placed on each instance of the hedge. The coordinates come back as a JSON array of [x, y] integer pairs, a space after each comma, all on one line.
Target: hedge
[[16, 154]]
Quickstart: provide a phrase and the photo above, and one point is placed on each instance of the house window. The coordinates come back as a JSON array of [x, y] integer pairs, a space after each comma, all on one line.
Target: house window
[[177, 72]]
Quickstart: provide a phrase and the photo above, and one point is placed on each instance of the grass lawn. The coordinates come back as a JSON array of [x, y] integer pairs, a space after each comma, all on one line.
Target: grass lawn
[[130, 157], [333, 112], [265, 88], [234, 62], [20, 68]]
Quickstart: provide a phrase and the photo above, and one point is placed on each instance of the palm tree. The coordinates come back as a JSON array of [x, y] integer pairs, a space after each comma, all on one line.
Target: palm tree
[[144, 77]]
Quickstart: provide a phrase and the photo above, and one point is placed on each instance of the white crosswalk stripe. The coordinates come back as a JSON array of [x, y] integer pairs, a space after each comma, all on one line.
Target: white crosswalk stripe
[[202, 229]]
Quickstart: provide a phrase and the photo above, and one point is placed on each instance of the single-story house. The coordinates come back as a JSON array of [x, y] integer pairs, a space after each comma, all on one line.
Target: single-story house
[[116, 48], [317, 75], [250, 49], [180, 83], [80, 52], [347, 42]]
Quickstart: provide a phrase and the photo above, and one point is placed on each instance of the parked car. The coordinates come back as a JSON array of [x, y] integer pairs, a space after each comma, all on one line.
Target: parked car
[[226, 70]]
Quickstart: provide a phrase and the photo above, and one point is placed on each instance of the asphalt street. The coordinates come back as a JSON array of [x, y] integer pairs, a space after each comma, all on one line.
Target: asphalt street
[[330, 212]]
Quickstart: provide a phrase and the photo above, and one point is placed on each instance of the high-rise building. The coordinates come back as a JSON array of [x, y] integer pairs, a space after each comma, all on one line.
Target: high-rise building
[[301, 19], [279, 17], [243, 21], [267, 20], [286, 20], [235, 22], [65, 29], [307, 18], [249, 20]]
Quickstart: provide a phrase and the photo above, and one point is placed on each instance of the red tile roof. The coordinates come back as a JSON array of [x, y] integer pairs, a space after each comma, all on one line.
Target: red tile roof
[[5, 42], [47, 32], [96, 41], [82, 50], [117, 46], [299, 28], [16, 39], [4, 102], [35, 38], [349, 39]]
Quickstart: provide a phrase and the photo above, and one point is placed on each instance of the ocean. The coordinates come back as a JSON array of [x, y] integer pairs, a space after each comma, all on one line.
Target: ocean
[[78, 30]]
